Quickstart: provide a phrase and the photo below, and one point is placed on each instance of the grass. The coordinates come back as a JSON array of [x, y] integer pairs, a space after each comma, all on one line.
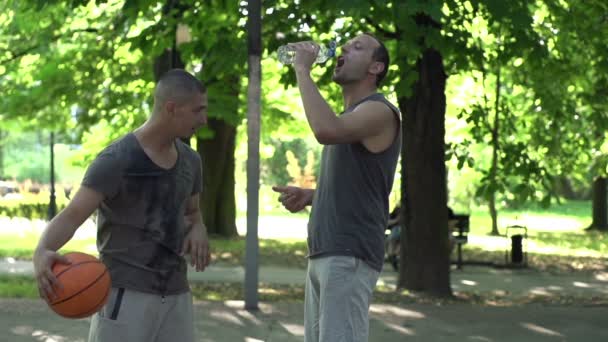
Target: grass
[[284, 252], [570, 216], [21, 245], [558, 230], [549, 263], [18, 286], [25, 287]]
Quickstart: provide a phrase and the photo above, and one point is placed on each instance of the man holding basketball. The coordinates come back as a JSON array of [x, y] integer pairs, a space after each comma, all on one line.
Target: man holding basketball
[[350, 204], [146, 188]]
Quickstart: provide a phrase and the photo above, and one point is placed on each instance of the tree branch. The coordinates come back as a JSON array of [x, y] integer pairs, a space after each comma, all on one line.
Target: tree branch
[[17, 55], [486, 106]]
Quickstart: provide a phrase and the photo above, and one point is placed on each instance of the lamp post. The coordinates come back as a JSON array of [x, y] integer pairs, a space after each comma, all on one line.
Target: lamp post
[[254, 28], [52, 203], [182, 35]]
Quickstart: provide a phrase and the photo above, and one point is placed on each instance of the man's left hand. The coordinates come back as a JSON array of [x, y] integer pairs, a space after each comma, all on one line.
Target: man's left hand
[[306, 54], [196, 244]]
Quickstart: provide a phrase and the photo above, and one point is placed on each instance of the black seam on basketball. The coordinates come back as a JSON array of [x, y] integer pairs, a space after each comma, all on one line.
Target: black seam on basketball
[[82, 290], [74, 265]]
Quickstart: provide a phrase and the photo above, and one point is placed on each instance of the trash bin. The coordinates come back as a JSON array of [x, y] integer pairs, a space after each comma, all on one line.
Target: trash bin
[[517, 251]]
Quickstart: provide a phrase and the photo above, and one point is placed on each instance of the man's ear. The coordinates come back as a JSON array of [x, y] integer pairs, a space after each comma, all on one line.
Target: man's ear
[[376, 68], [170, 107]]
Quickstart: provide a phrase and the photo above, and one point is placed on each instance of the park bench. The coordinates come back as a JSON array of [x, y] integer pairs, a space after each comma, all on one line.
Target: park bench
[[460, 234]]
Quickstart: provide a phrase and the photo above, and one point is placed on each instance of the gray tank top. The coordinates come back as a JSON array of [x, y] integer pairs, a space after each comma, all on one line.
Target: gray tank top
[[351, 203]]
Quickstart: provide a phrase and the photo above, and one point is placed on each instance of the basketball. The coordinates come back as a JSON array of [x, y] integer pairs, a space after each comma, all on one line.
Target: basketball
[[86, 286]]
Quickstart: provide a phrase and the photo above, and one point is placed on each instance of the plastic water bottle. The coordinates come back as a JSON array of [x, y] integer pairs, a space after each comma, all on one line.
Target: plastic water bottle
[[287, 54]]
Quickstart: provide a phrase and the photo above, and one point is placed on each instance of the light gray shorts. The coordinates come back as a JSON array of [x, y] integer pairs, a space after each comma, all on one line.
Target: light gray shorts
[[133, 316], [338, 294]]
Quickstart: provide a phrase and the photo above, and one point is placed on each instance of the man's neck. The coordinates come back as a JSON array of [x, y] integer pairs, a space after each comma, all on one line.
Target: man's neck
[[153, 135], [353, 93]]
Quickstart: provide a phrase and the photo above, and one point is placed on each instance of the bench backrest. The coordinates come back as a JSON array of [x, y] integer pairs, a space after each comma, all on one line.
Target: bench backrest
[[462, 222]]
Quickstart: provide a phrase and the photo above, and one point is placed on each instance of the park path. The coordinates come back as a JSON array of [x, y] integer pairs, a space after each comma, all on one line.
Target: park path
[[27, 320]]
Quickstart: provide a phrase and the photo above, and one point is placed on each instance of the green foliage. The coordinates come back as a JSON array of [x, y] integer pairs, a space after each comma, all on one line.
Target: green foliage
[[545, 132], [29, 208], [85, 69], [275, 167], [26, 156]]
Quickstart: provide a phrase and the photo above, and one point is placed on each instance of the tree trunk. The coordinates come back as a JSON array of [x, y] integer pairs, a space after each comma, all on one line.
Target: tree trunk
[[425, 265], [217, 201], [169, 59], [564, 188], [600, 204]]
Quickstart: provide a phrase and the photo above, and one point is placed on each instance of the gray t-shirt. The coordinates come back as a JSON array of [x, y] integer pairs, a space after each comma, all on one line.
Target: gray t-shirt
[[141, 226], [351, 203]]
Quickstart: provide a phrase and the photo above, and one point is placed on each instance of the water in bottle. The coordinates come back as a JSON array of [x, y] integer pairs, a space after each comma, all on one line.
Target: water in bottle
[[287, 55]]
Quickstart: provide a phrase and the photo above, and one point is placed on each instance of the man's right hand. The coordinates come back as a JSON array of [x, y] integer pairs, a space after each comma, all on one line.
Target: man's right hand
[[44, 259], [294, 198], [57, 233]]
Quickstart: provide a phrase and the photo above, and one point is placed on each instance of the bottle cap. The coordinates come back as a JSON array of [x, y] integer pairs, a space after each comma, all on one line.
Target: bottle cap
[[332, 48]]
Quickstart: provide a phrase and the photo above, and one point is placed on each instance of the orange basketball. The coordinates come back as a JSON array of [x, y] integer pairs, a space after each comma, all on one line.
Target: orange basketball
[[86, 286]]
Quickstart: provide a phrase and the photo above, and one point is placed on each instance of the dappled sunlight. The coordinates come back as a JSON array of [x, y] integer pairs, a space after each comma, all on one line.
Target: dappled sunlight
[[583, 287], [387, 281], [385, 286], [226, 317], [269, 322], [551, 223], [542, 291], [249, 317], [41, 335], [276, 227], [557, 250], [487, 242], [601, 276], [234, 304], [522, 284], [270, 291], [541, 330], [400, 329], [544, 243], [264, 308], [385, 309], [294, 329], [480, 338]]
